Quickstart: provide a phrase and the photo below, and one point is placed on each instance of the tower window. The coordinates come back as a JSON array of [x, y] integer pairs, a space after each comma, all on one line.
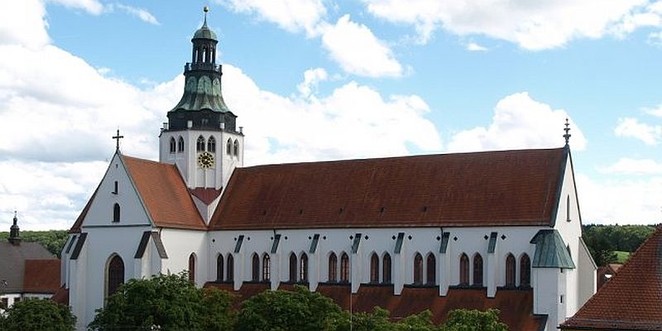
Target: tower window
[[180, 144], [236, 147], [200, 145], [211, 145], [116, 213], [173, 145], [228, 147]]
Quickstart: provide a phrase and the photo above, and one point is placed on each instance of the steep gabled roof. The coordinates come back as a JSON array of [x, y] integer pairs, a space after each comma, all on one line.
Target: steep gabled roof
[[13, 260], [632, 298], [41, 276], [517, 187], [164, 194]]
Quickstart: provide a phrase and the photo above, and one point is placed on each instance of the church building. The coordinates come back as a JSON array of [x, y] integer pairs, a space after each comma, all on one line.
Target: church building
[[496, 229]]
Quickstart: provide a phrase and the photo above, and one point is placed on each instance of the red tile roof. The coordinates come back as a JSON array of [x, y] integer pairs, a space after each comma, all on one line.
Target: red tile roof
[[517, 187], [515, 306], [41, 276], [206, 195], [631, 299], [61, 296], [164, 193]]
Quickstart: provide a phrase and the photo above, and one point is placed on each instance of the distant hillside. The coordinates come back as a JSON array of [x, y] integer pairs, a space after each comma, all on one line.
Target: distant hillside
[[605, 240], [53, 240]]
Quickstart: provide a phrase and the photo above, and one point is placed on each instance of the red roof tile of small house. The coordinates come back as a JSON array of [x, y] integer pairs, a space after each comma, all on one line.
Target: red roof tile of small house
[[41, 276], [517, 187], [631, 299], [61, 295]]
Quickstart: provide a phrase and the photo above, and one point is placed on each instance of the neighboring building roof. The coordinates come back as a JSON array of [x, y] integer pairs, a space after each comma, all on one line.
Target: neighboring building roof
[[551, 251], [516, 187], [631, 299], [41, 276], [13, 264], [515, 306], [164, 194]]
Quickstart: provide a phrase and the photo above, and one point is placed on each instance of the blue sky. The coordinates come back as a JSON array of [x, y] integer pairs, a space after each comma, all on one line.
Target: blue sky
[[320, 80]]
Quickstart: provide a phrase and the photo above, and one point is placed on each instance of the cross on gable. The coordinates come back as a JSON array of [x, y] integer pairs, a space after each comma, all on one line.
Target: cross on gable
[[117, 137]]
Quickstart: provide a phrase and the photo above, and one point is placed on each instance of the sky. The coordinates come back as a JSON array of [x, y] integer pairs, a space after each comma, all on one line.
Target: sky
[[329, 79]]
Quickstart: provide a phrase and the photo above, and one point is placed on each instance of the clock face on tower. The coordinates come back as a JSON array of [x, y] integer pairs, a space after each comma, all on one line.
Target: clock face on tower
[[206, 160]]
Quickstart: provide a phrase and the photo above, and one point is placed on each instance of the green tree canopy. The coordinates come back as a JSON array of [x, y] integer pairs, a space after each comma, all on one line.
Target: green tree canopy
[[167, 302], [37, 314], [470, 320]]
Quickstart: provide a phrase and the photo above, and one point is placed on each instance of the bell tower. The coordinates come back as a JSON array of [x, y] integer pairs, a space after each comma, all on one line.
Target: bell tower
[[201, 135]]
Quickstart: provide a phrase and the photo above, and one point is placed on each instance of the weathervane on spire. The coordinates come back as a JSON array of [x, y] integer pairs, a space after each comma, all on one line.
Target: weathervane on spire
[[567, 130], [206, 10], [117, 137]]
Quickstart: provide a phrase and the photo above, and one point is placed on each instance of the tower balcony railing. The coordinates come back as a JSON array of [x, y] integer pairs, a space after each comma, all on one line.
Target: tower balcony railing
[[202, 66]]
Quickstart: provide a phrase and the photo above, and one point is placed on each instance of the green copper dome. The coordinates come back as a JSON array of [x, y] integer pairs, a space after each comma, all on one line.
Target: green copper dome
[[205, 33]]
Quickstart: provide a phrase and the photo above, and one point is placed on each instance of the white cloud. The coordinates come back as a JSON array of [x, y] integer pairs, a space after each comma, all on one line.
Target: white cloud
[[93, 7], [311, 78], [23, 23], [627, 166], [291, 15], [633, 128], [140, 13], [474, 47], [358, 51], [531, 25], [519, 122]]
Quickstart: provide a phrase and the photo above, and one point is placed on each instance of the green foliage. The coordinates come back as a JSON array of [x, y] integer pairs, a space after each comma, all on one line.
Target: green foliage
[[621, 256], [604, 240], [168, 302], [52, 240], [469, 320], [37, 314], [294, 310]]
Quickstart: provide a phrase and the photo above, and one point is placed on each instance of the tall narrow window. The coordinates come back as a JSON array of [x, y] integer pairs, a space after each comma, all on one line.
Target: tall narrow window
[[293, 267], [255, 268], [173, 145], [228, 147], [431, 266], [524, 271], [211, 145], [266, 267], [478, 270], [191, 268], [333, 268], [418, 269], [116, 213], [464, 270], [374, 268], [116, 187], [230, 268], [386, 272], [180, 144], [510, 271], [304, 268], [219, 268], [567, 208], [236, 147], [115, 274], [200, 144], [344, 268]]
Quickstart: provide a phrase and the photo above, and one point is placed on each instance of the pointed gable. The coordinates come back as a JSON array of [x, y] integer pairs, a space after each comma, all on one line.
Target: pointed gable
[[164, 194], [518, 187], [631, 299]]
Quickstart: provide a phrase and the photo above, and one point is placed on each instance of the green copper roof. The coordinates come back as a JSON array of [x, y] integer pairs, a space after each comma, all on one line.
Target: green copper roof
[[551, 251], [202, 93], [205, 33]]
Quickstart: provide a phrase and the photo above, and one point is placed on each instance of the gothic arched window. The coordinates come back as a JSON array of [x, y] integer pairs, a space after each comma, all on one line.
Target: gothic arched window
[[211, 145], [333, 268], [374, 268], [266, 268], [219, 267], [293, 267], [230, 268], [191, 268], [431, 270], [236, 147], [255, 274], [386, 269], [304, 268], [180, 144], [524, 271], [116, 213], [200, 144], [464, 270], [228, 147], [510, 270], [418, 269], [173, 145], [115, 274], [478, 270], [344, 268]]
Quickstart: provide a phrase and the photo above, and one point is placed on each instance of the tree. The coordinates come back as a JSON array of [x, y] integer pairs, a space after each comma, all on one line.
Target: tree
[[37, 314], [296, 310], [469, 320], [168, 302]]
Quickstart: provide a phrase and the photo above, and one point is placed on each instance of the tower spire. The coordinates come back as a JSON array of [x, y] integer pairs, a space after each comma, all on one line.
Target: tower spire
[[567, 130], [14, 232], [206, 10]]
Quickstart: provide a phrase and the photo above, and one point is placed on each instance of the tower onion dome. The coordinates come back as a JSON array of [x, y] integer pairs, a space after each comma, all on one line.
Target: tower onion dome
[[202, 106]]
